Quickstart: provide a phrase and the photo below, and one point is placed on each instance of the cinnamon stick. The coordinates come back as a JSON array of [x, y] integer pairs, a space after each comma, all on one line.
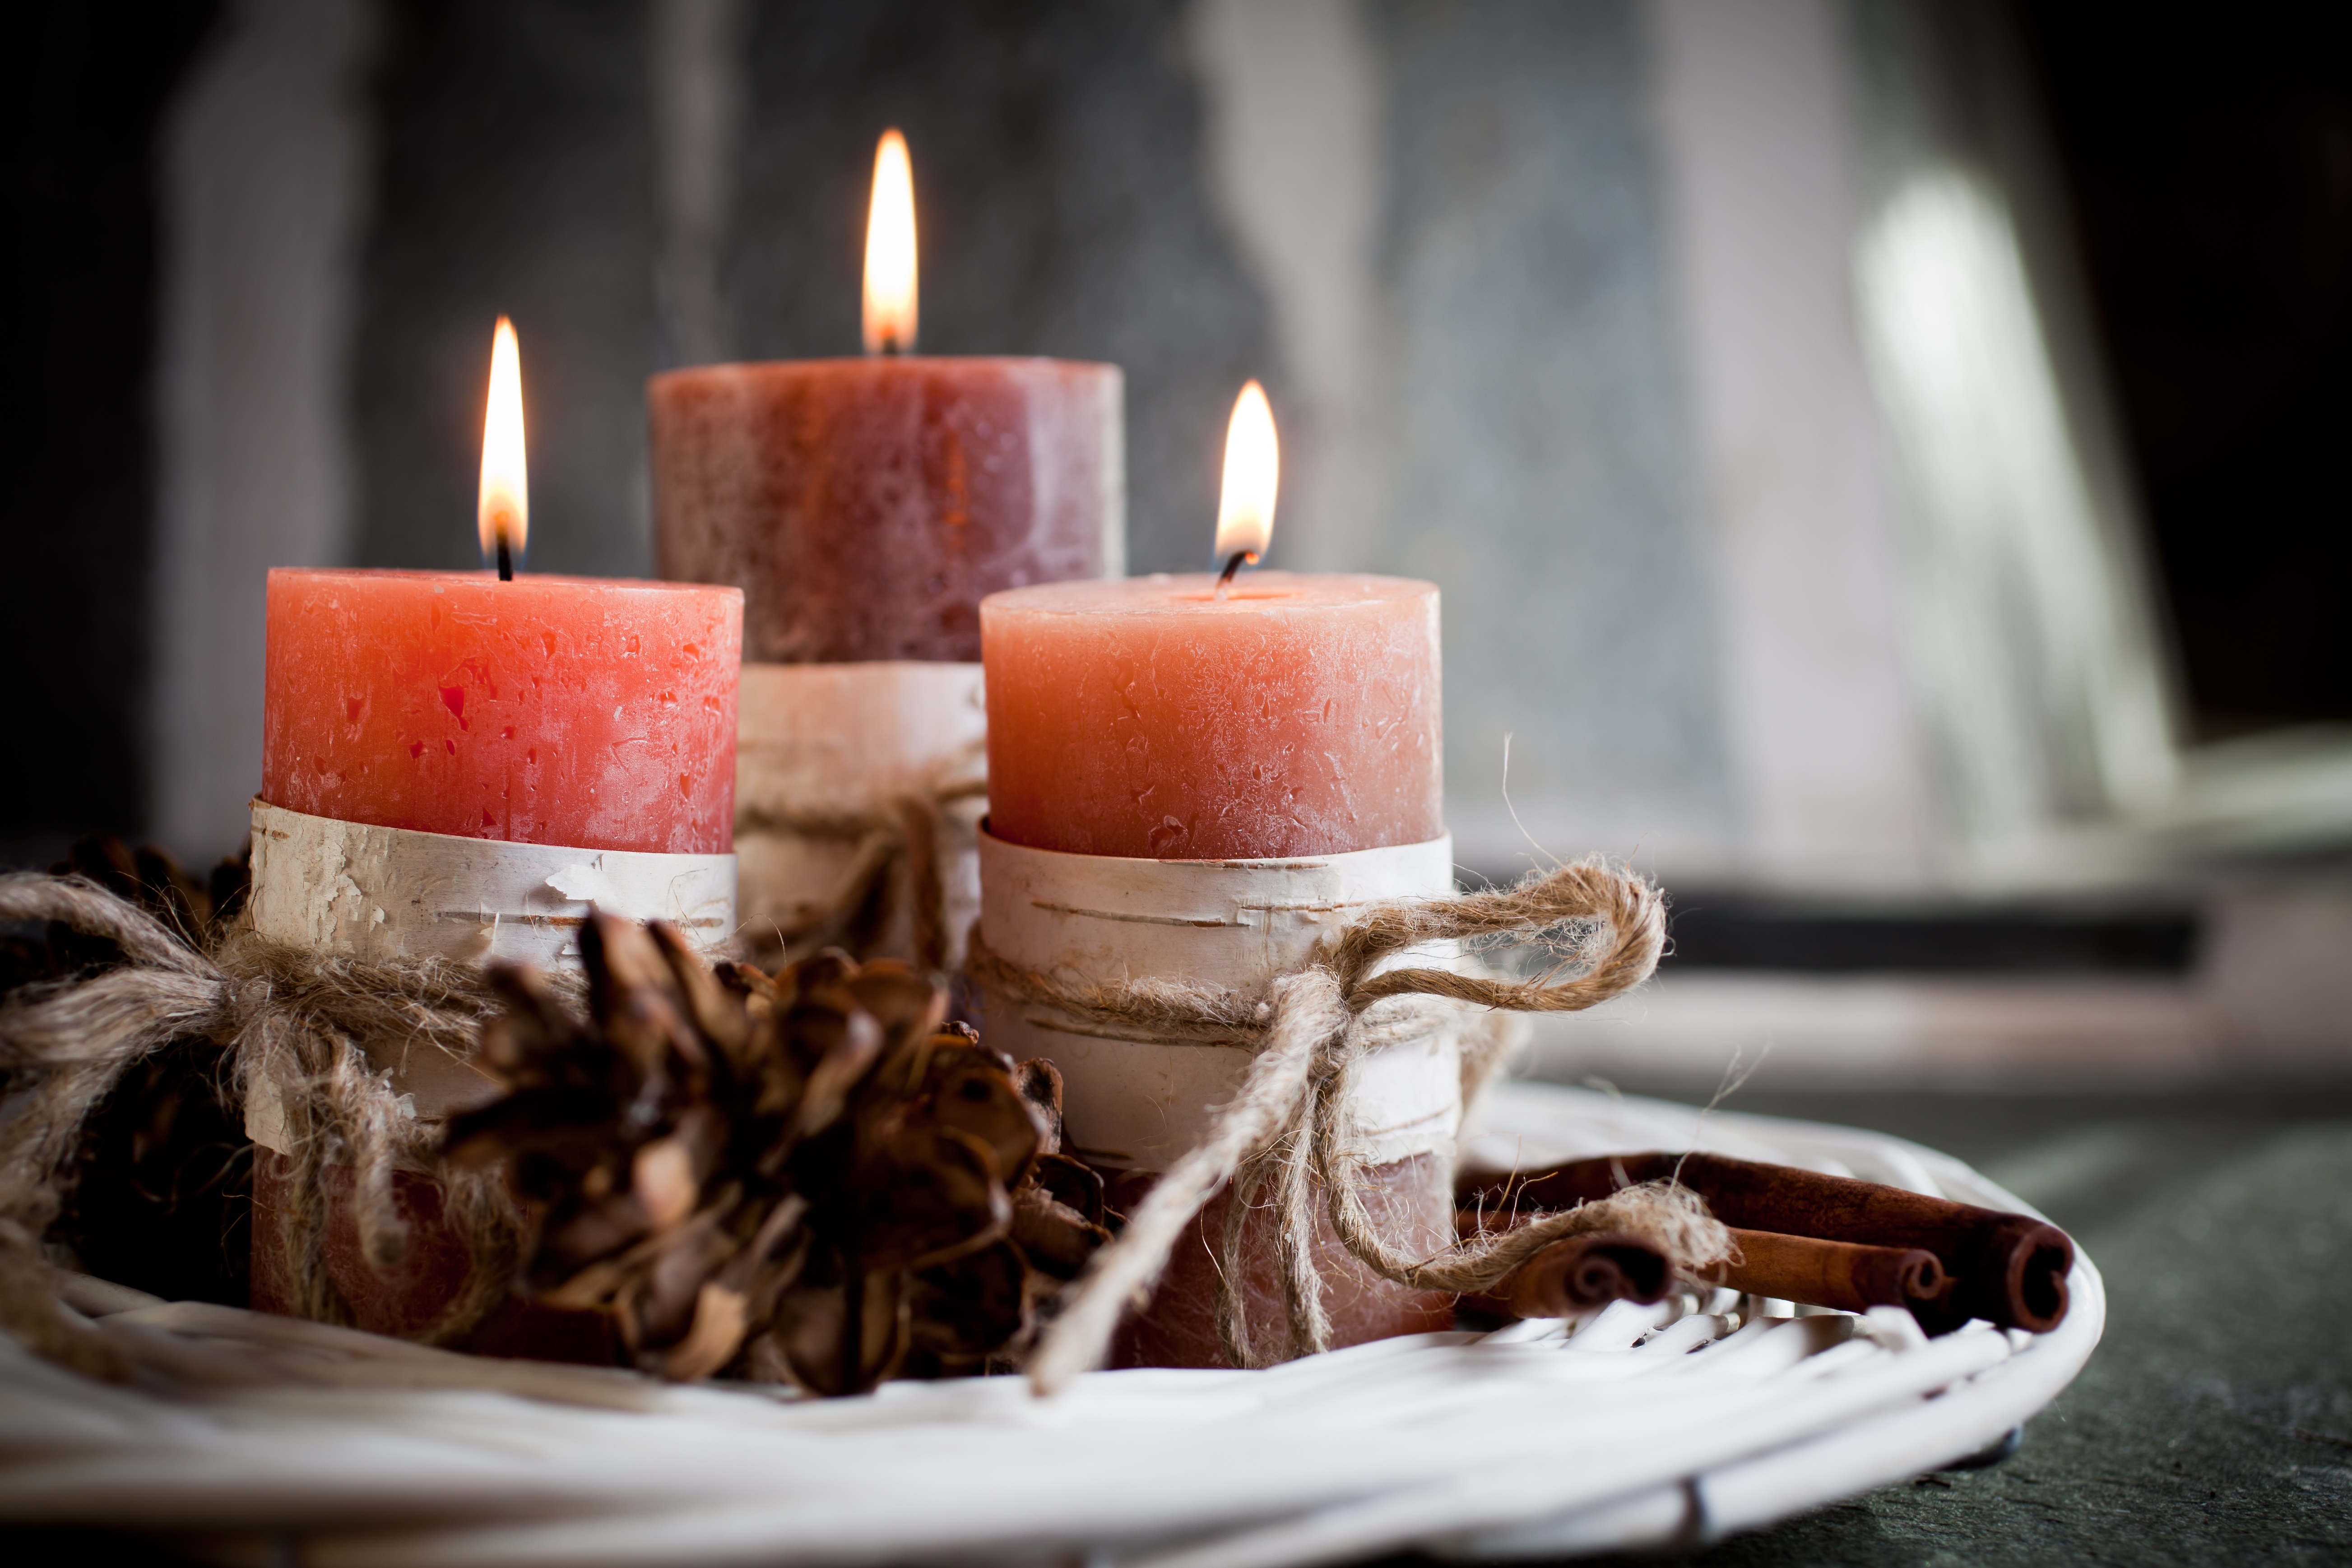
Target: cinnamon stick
[[1577, 1274], [1846, 1275], [2008, 1268]]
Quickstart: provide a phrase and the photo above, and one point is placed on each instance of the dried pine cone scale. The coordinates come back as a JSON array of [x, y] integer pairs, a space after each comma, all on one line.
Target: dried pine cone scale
[[808, 1174]]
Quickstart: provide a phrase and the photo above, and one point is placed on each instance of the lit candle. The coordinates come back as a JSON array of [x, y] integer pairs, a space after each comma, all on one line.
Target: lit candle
[[865, 507], [580, 714], [1200, 718], [1195, 779], [460, 764]]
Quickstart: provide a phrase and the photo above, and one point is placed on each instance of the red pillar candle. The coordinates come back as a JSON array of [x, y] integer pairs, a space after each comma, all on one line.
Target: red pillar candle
[[866, 506], [562, 710], [589, 714], [587, 727]]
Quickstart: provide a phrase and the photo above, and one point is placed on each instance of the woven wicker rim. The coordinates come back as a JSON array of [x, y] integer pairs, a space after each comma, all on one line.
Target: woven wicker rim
[[1647, 1427]]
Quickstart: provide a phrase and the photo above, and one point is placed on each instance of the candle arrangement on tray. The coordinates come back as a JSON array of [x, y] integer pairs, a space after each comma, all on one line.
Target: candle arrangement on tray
[[1094, 989]]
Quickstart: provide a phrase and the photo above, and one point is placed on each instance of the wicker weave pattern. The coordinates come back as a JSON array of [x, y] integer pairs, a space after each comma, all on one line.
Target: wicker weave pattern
[[1648, 1426]]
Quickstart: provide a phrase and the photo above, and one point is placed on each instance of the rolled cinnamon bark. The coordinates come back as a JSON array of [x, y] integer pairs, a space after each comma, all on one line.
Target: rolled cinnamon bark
[[1579, 1274], [1846, 1275], [2008, 1268]]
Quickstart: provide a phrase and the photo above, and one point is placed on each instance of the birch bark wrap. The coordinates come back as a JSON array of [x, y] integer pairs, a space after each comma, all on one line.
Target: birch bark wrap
[[354, 890], [824, 754], [1135, 1101]]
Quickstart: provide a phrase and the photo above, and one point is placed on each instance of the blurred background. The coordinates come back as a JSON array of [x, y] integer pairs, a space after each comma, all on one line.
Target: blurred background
[[1885, 460]]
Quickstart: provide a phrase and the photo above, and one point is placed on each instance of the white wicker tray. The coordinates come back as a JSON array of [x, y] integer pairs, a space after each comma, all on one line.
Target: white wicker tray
[[247, 1435]]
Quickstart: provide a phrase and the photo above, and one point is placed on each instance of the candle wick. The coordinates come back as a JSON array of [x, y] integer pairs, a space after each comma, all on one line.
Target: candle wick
[[891, 347], [1234, 562], [505, 558]]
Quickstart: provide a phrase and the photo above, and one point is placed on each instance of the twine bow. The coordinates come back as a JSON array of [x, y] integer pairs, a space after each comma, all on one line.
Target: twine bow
[[1285, 1125], [297, 1017]]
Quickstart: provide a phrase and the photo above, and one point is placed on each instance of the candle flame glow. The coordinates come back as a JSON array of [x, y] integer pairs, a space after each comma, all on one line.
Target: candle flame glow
[[1253, 474], [505, 511], [890, 250]]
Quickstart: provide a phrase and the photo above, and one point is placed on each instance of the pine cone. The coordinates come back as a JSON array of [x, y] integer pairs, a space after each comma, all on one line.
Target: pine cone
[[808, 1176]]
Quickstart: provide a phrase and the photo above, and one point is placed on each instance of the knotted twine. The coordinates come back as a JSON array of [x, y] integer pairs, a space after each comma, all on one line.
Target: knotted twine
[[301, 1019], [1288, 1123], [298, 1018], [903, 839]]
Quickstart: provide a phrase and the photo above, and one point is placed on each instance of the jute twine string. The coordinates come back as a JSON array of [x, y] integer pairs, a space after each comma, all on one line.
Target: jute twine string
[[301, 1019], [297, 1019], [1309, 1030], [904, 836]]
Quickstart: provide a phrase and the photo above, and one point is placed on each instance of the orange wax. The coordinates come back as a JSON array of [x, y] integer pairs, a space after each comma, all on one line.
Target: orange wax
[[569, 710], [1411, 1202], [1148, 720]]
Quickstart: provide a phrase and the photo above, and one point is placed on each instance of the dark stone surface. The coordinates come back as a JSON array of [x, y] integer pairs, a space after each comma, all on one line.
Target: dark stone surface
[[514, 175], [88, 85], [1061, 201], [2214, 1424]]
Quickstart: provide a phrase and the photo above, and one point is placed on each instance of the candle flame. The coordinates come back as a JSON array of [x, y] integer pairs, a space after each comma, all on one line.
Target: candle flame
[[505, 511], [890, 250], [1253, 474]]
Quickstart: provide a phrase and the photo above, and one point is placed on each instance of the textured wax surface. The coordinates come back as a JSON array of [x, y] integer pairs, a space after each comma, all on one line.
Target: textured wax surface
[[867, 506], [1145, 719], [568, 710], [1412, 1205]]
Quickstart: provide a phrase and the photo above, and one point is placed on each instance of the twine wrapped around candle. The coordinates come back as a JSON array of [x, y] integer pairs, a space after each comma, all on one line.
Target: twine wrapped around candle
[[302, 1018], [1309, 1030], [297, 1016], [757, 1150]]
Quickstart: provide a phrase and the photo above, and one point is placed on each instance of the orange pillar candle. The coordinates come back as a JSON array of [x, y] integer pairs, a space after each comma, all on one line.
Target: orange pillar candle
[[1185, 718], [1194, 719], [1149, 718]]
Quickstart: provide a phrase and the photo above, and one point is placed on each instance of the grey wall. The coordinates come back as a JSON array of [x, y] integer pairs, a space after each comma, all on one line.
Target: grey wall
[[88, 86], [1480, 255], [514, 173], [355, 189], [1765, 199], [1532, 415], [264, 163], [1438, 233]]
